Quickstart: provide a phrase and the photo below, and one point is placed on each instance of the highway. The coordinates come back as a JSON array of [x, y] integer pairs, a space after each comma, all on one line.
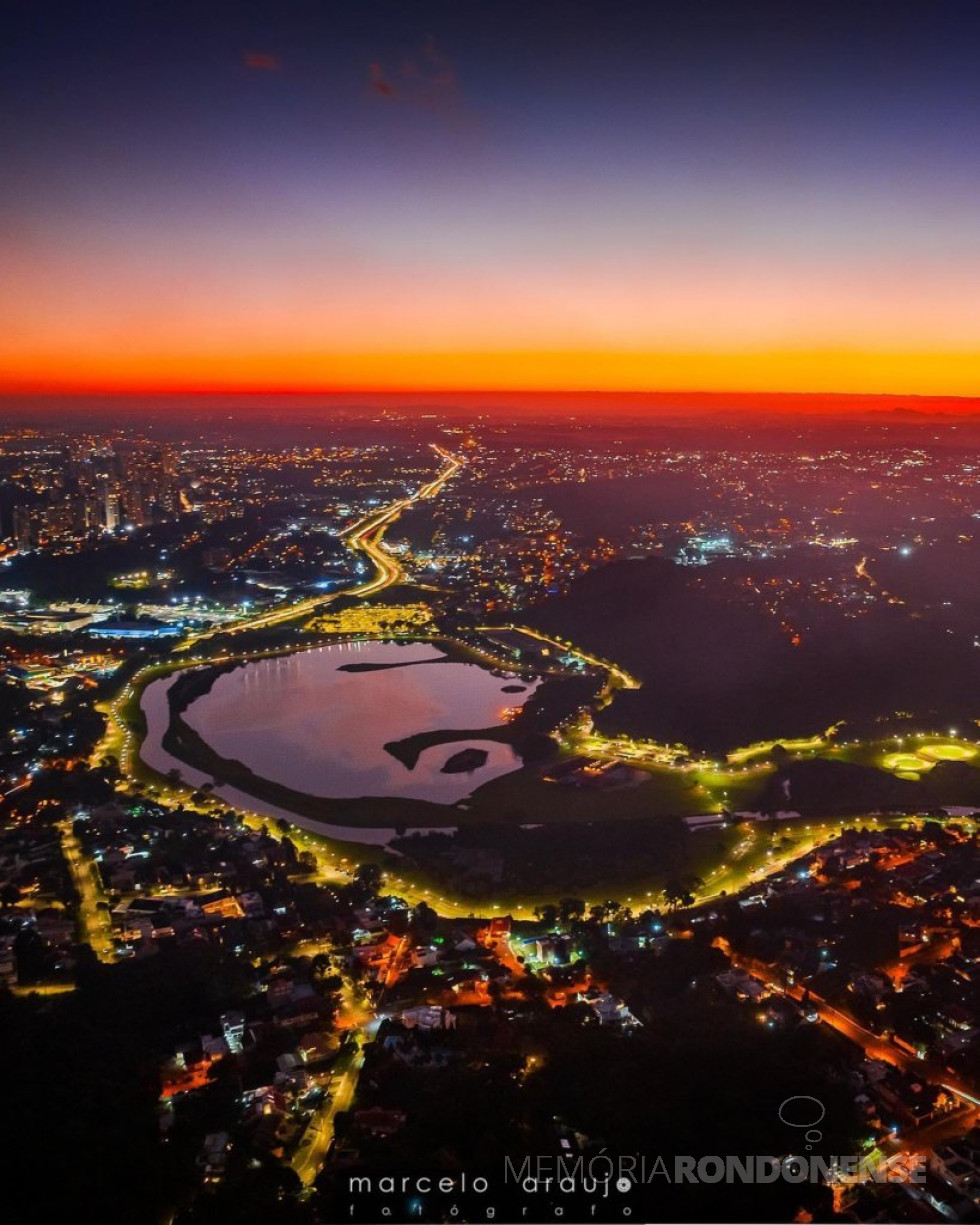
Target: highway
[[364, 537]]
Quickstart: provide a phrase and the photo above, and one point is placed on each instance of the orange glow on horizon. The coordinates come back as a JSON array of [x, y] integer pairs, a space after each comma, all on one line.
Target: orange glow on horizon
[[765, 372]]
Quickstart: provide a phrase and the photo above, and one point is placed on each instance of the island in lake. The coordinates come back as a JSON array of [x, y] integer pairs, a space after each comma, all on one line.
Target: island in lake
[[465, 761]]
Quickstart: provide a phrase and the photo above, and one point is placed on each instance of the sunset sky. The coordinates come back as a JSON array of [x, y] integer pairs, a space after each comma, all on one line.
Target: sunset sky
[[711, 195]]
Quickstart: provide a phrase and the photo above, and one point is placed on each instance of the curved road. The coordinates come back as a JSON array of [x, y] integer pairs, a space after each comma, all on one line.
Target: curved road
[[365, 537]]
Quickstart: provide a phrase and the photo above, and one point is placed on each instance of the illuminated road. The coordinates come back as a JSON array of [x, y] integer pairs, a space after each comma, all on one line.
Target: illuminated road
[[96, 924], [615, 673], [318, 1137], [873, 1045], [358, 1019], [365, 537], [861, 570]]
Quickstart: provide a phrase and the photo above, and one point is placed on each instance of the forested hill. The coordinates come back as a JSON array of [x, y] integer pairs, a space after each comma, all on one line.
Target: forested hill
[[719, 670]]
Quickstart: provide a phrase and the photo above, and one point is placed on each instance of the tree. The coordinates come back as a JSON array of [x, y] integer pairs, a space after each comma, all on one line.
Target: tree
[[678, 891], [571, 910], [621, 916], [368, 878], [531, 987], [424, 920]]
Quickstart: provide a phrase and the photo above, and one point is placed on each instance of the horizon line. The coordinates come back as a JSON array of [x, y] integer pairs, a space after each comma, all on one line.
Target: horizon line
[[35, 389], [740, 399]]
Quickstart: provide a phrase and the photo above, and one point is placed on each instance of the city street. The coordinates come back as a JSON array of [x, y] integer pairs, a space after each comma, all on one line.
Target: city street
[[96, 923]]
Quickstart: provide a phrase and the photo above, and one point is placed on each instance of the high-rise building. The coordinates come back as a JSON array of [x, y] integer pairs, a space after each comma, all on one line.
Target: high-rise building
[[25, 527], [58, 520], [111, 509]]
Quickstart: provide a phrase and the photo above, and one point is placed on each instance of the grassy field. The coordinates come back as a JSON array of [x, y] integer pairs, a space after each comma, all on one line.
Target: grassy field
[[524, 796], [913, 758], [727, 859]]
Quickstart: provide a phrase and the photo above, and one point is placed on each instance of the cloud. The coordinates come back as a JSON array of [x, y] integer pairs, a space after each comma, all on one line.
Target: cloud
[[261, 61], [378, 82], [440, 72], [424, 78]]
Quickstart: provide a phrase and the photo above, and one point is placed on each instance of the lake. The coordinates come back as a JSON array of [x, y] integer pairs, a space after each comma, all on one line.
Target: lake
[[304, 721]]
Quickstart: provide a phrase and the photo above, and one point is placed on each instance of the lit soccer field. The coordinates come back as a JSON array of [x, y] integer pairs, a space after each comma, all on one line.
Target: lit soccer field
[[947, 752], [907, 763]]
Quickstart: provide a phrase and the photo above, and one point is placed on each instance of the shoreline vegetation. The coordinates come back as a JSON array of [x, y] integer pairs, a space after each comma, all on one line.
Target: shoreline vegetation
[[528, 732], [410, 748], [850, 785], [555, 697], [408, 663], [483, 845]]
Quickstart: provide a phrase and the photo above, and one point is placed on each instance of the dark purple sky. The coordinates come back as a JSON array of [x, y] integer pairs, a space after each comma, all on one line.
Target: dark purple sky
[[702, 194]]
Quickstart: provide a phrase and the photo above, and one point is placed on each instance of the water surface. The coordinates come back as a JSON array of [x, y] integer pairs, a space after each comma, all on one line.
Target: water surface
[[302, 721]]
